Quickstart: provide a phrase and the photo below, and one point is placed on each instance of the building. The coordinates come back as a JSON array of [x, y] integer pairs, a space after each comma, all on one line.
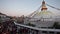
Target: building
[[43, 18], [4, 17]]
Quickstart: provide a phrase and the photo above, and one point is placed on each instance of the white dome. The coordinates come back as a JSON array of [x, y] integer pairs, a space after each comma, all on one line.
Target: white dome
[[43, 14]]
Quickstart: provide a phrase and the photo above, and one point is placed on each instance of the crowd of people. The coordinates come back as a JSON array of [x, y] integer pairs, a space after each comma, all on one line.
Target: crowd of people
[[7, 27]]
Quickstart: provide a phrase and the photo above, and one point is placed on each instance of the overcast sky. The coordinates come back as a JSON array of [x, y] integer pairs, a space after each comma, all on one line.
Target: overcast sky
[[25, 7]]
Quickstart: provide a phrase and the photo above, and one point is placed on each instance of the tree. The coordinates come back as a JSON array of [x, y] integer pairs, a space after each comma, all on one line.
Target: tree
[[56, 25]]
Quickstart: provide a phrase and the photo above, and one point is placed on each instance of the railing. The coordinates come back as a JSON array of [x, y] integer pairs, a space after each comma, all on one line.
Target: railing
[[39, 29]]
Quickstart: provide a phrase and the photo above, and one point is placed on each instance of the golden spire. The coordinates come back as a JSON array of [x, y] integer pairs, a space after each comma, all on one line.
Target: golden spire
[[43, 6]]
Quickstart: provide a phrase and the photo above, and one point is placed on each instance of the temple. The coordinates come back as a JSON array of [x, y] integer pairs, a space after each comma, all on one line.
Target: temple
[[43, 18]]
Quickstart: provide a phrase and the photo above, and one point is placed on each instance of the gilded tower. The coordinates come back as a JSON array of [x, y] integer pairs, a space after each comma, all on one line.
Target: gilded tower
[[43, 6]]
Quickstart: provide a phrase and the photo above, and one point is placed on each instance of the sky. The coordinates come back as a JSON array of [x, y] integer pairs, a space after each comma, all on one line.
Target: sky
[[25, 7]]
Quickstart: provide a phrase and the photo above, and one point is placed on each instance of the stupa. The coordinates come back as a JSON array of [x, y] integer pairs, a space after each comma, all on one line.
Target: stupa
[[43, 18]]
